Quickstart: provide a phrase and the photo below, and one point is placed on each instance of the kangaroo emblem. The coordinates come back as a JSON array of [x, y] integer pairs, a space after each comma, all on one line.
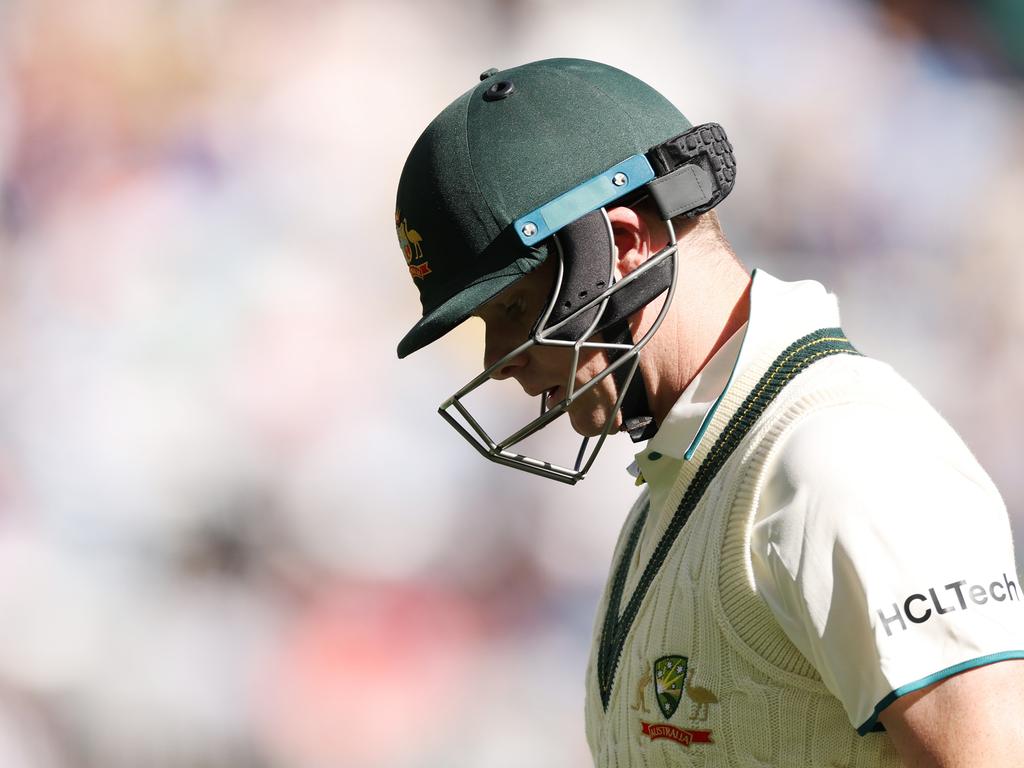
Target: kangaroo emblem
[[410, 241], [639, 703], [701, 698]]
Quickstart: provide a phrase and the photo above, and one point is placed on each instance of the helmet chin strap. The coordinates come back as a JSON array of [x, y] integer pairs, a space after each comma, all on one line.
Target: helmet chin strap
[[588, 253], [637, 419]]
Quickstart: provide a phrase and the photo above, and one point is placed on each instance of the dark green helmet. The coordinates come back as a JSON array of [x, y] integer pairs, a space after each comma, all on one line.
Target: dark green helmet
[[521, 168]]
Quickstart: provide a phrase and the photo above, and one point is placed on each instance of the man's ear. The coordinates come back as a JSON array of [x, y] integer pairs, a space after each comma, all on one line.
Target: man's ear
[[632, 239]]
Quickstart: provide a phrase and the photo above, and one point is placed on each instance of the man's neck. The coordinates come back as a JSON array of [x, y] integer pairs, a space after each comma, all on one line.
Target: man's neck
[[706, 311]]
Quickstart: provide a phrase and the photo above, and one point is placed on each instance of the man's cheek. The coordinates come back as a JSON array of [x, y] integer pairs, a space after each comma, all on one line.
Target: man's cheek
[[589, 414]]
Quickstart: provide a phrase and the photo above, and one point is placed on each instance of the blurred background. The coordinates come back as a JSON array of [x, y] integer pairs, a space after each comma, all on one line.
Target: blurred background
[[233, 531]]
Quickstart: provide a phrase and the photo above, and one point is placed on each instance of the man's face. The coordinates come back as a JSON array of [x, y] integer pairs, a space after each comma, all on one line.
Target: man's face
[[509, 318]]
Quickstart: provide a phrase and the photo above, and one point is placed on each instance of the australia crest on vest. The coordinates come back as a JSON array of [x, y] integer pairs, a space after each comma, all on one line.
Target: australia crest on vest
[[668, 678], [669, 675]]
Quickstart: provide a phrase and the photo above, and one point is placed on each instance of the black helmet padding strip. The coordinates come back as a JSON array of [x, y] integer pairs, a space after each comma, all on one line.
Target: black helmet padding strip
[[587, 252], [694, 172], [587, 255]]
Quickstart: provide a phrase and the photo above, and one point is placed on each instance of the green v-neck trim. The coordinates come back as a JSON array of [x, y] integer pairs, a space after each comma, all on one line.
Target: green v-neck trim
[[793, 360]]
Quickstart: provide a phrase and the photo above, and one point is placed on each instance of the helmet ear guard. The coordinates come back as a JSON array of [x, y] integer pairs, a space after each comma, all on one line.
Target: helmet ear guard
[[694, 172], [587, 250]]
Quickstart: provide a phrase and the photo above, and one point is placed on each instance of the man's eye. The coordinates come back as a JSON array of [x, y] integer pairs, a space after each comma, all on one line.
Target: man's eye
[[515, 308]]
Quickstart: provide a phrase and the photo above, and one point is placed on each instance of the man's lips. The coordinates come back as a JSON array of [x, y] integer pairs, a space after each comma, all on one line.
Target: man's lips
[[554, 395]]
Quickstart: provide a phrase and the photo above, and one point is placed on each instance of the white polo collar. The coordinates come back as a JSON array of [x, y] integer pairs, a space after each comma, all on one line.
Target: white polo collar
[[780, 312]]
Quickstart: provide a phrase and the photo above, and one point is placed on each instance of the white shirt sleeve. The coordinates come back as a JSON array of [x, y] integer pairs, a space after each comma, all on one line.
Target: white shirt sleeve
[[885, 553]]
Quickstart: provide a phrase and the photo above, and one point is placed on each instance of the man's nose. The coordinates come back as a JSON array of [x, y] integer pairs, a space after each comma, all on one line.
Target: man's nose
[[494, 351]]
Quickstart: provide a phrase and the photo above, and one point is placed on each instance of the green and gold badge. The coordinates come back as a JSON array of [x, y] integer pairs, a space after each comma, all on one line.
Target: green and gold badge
[[411, 243], [669, 676]]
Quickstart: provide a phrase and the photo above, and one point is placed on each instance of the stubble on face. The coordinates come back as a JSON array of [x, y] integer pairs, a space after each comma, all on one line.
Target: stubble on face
[[590, 412]]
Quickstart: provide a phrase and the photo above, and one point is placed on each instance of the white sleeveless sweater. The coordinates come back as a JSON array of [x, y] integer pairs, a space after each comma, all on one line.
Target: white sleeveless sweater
[[689, 666]]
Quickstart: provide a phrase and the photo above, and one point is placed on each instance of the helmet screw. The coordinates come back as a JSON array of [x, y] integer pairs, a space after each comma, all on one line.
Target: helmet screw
[[529, 229], [619, 179]]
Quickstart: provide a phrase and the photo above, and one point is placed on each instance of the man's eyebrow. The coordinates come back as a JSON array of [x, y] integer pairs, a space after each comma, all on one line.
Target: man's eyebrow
[[496, 300]]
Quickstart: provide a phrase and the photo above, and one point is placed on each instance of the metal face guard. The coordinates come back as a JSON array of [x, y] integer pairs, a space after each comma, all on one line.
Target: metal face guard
[[455, 412]]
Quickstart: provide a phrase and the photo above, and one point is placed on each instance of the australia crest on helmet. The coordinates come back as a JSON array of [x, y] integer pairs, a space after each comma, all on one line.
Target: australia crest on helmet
[[412, 247]]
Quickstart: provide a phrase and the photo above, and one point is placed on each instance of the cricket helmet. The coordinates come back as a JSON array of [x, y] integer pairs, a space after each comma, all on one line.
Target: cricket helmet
[[520, 169]]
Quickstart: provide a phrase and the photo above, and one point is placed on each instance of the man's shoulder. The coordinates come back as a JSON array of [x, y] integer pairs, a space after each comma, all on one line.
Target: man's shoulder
[[872, 430], [844, 382]]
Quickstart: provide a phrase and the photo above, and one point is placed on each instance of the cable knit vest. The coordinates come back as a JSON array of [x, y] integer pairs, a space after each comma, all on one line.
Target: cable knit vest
[[689, 667]]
